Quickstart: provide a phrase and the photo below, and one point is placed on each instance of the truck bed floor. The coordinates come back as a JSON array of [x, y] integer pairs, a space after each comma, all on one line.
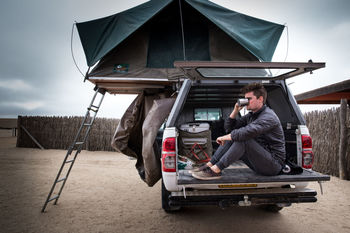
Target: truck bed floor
[[239, 173]]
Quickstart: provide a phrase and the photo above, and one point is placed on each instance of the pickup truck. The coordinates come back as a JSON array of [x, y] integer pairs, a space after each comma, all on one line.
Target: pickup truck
[[208, 94]]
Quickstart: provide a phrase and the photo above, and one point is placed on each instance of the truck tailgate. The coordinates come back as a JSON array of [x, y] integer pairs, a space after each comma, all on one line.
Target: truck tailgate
[[246, 175]]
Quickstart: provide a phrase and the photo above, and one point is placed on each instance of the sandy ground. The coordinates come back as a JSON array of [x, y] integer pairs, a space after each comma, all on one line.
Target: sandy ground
[[105, 194]]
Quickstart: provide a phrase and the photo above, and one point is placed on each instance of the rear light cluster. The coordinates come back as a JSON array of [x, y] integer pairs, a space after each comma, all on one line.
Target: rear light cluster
[[307, 154], [169, 155]]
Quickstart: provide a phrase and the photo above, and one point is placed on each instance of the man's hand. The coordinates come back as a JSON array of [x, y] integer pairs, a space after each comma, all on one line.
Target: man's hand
[[235, 111], [221, 140], [238, 108]]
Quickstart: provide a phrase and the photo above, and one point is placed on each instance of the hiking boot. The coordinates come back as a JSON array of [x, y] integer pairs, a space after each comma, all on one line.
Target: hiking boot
[[198, 169], [206, 174]]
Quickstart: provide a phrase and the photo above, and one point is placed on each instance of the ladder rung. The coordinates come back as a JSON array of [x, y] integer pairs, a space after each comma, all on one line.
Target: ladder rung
[[87, 124], [55, 197], [94, 110], [94, 106], [69, 161], [79, 143], [60, 180]]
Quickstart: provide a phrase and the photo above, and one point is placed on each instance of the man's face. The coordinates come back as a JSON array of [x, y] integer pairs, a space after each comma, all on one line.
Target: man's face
[[254, 103]]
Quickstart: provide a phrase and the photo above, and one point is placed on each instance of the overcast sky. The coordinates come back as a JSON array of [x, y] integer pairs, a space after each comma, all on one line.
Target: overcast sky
[[38, 76]]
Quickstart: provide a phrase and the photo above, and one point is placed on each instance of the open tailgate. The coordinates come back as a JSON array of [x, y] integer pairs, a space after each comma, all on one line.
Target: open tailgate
[[246, 176]]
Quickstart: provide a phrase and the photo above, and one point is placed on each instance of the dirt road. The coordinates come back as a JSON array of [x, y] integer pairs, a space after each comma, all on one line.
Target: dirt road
[[105, 194]]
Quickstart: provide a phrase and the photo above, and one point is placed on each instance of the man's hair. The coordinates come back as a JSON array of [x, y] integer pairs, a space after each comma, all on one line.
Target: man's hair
[[257, 88]]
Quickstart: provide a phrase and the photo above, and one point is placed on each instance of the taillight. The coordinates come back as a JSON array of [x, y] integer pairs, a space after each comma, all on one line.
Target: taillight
[[169, 155], [308, 159], [306, 141], [169, 145], [307, 154]]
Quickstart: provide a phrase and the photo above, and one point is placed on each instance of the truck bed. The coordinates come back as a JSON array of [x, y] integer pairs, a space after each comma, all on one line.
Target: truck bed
[[239, 173]]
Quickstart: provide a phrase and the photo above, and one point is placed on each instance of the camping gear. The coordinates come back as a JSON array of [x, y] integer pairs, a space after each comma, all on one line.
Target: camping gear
[[184, 163], [195, 127], [144, 41], [195, 142], [136, 133]]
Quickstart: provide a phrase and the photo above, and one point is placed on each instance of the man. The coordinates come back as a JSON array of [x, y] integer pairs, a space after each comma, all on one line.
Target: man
[[256, 138]]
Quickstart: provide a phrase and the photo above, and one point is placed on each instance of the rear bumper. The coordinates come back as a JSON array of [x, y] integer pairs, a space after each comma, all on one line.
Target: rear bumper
[[226, 198]]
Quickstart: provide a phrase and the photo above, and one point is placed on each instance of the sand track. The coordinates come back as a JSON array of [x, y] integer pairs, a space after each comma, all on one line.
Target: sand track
[[105, 194]]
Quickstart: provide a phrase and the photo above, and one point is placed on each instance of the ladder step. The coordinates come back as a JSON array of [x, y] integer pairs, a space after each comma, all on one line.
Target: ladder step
[[94, 110], [94, 106], [60, 180], [55, 197], [69, 161], [87, 124], [79, 143]]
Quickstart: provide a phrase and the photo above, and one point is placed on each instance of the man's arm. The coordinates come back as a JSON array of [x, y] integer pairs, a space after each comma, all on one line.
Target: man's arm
[[263, 124], [235, 111], [230, 124], [233, 123], [260, 126]]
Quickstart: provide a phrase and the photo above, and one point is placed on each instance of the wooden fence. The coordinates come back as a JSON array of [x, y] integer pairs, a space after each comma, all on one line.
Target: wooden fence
[[59, 132], [9, 124], [324, 129]]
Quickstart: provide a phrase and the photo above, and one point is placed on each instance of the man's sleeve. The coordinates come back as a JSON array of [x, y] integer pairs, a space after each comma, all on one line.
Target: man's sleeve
[[254, 129], [231, 124]]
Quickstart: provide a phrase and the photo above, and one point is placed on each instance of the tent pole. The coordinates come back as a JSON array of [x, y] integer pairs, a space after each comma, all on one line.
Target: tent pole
[[182, 31]]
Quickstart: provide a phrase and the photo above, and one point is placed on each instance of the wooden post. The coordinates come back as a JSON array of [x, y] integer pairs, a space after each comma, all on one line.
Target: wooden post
[[343, 139], [19, 122], [87, 143]]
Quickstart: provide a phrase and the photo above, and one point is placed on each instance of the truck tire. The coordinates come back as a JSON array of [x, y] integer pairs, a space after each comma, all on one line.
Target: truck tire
[[165, 201], [272, 208]]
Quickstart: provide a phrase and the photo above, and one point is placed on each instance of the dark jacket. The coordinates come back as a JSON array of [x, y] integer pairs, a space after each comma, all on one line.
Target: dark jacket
[[263, 126]]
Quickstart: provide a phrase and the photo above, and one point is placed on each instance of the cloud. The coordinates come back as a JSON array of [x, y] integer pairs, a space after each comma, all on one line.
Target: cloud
[[35, 50], [15, 85], [29, 105]]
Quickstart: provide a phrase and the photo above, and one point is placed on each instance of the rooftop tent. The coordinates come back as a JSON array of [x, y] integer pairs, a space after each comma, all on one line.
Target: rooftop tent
[[144, 41]]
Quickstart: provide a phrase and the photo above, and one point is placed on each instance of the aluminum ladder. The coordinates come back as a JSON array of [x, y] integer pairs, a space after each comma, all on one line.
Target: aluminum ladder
[[75, 147]]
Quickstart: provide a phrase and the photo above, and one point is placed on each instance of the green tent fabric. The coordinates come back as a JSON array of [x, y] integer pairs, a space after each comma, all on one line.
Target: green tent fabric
[[258, 36], [100, 36]]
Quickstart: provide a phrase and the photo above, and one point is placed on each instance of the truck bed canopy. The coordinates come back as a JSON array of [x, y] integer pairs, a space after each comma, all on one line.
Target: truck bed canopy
[[143, 42]]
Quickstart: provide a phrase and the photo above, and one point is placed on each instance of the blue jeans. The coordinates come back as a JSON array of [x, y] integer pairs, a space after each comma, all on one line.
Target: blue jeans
[[251, 153]]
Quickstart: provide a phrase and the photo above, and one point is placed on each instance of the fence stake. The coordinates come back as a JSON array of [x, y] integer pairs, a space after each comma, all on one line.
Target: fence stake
[[19, 122], [343, 140], [34, 140]]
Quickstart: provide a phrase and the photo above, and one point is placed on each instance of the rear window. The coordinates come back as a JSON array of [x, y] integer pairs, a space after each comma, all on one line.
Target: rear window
[[207, 114]]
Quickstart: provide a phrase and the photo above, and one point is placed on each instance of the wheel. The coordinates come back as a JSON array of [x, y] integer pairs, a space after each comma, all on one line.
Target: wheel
[[165, 201], [272, 208]]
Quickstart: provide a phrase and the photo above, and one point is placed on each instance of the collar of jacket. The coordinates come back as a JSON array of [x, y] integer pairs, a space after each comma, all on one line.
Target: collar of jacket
[[257, 113]]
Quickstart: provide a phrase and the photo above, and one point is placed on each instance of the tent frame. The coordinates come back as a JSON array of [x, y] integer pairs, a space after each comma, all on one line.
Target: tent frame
[[126, 85]]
